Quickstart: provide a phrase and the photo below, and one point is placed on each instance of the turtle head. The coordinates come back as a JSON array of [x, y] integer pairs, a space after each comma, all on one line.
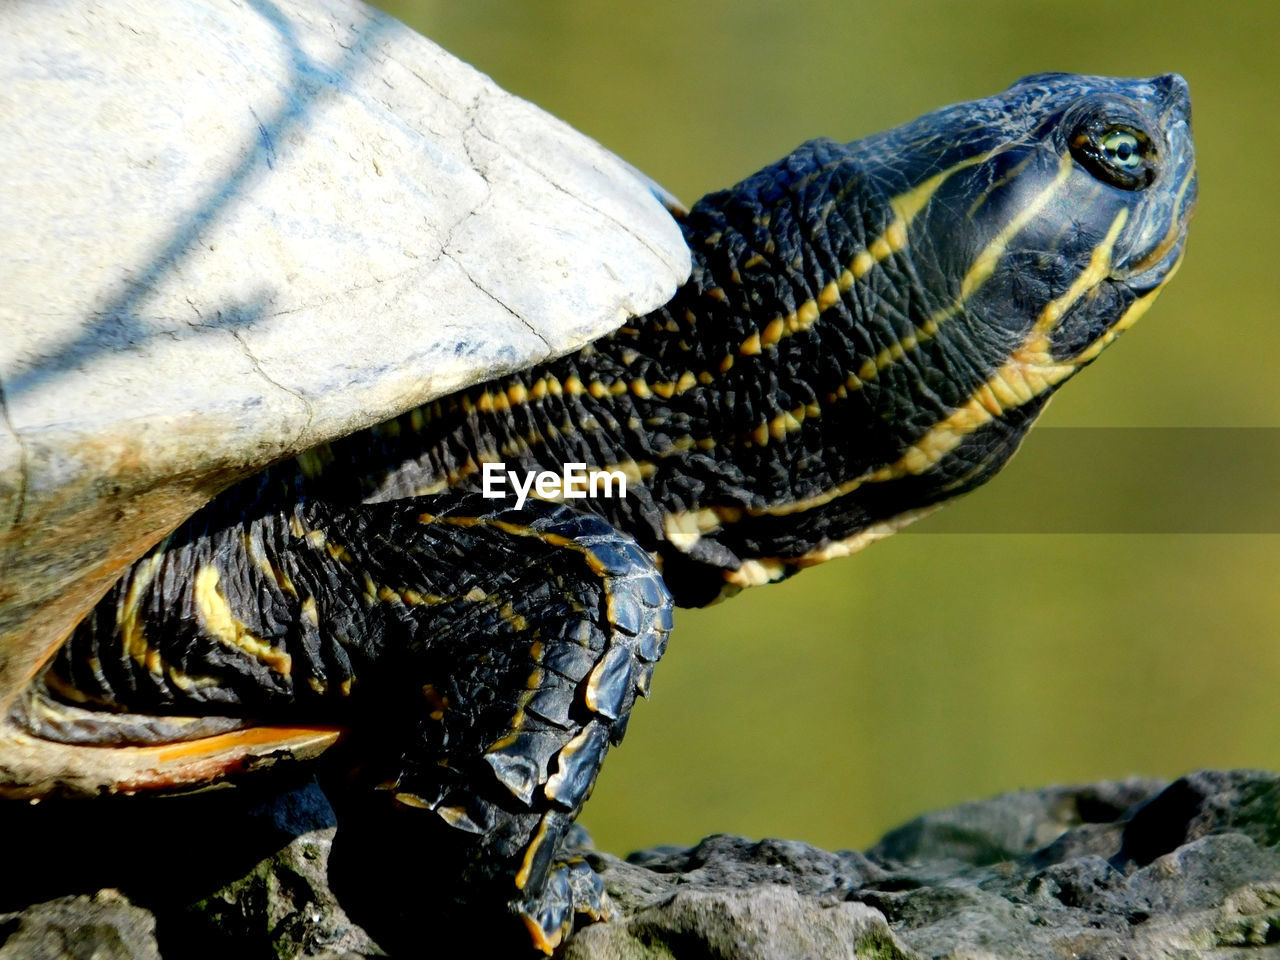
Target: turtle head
[[1132, 177], [1021, 234], [1045, 219], [983, 254], [871, 327]]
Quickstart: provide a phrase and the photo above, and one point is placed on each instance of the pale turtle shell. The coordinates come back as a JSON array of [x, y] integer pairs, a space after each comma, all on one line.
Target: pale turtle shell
[[232, 231]]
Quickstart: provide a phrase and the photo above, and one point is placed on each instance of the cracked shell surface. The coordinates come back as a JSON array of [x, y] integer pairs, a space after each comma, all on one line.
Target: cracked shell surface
[[232, 232]]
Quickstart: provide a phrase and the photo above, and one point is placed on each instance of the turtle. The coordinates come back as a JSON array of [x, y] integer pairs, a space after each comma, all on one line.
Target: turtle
[[477, 589]]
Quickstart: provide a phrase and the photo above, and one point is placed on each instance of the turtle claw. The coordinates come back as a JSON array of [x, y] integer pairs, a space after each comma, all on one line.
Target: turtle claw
[[572, 890]]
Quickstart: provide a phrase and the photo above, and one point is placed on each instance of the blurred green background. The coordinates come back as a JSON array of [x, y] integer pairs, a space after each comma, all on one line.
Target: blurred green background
[[942, 666]]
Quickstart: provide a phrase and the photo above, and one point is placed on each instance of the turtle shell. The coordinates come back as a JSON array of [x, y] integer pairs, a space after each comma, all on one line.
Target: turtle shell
[[234, 232]]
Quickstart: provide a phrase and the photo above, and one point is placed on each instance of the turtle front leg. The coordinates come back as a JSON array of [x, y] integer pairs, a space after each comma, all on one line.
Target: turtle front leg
[[524, 683], [482, 658]]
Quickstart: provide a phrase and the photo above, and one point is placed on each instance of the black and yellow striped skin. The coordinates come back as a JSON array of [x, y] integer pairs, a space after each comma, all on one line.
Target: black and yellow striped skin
[[487, 656], [869, 330]]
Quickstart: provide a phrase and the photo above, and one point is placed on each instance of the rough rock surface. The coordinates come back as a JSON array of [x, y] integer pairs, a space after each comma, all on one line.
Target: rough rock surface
[[105, 926], [1130, 869], [1135, 869]]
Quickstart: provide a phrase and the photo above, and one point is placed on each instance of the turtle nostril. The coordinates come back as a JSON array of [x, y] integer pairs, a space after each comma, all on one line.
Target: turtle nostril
[[1178, 94]]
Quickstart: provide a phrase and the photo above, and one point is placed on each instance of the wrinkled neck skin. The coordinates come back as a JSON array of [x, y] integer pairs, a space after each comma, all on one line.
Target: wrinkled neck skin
[[869, 330], [762, 417]]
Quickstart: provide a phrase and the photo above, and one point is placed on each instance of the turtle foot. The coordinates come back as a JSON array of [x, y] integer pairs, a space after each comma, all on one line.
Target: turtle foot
[[572, 891]]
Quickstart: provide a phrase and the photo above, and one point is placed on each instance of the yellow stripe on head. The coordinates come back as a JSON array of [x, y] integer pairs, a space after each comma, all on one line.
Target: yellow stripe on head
[[986, 261], [1098, 269]]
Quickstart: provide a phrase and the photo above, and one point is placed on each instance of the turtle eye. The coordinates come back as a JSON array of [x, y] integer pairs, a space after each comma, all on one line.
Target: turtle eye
[[1122, 148], [1119, 154]]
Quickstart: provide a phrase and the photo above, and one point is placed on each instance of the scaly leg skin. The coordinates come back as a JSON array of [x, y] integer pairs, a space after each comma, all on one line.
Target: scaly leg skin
[[492, 656]]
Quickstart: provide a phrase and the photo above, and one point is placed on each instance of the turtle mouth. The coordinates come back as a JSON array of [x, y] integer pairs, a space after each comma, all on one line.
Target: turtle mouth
[[1157, 266]]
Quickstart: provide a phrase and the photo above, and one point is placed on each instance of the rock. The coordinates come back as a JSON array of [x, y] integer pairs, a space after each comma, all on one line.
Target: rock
[[1131, 869], [1135, 869], [105, 926], [764, 922], [285, 901], [235, 230]]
